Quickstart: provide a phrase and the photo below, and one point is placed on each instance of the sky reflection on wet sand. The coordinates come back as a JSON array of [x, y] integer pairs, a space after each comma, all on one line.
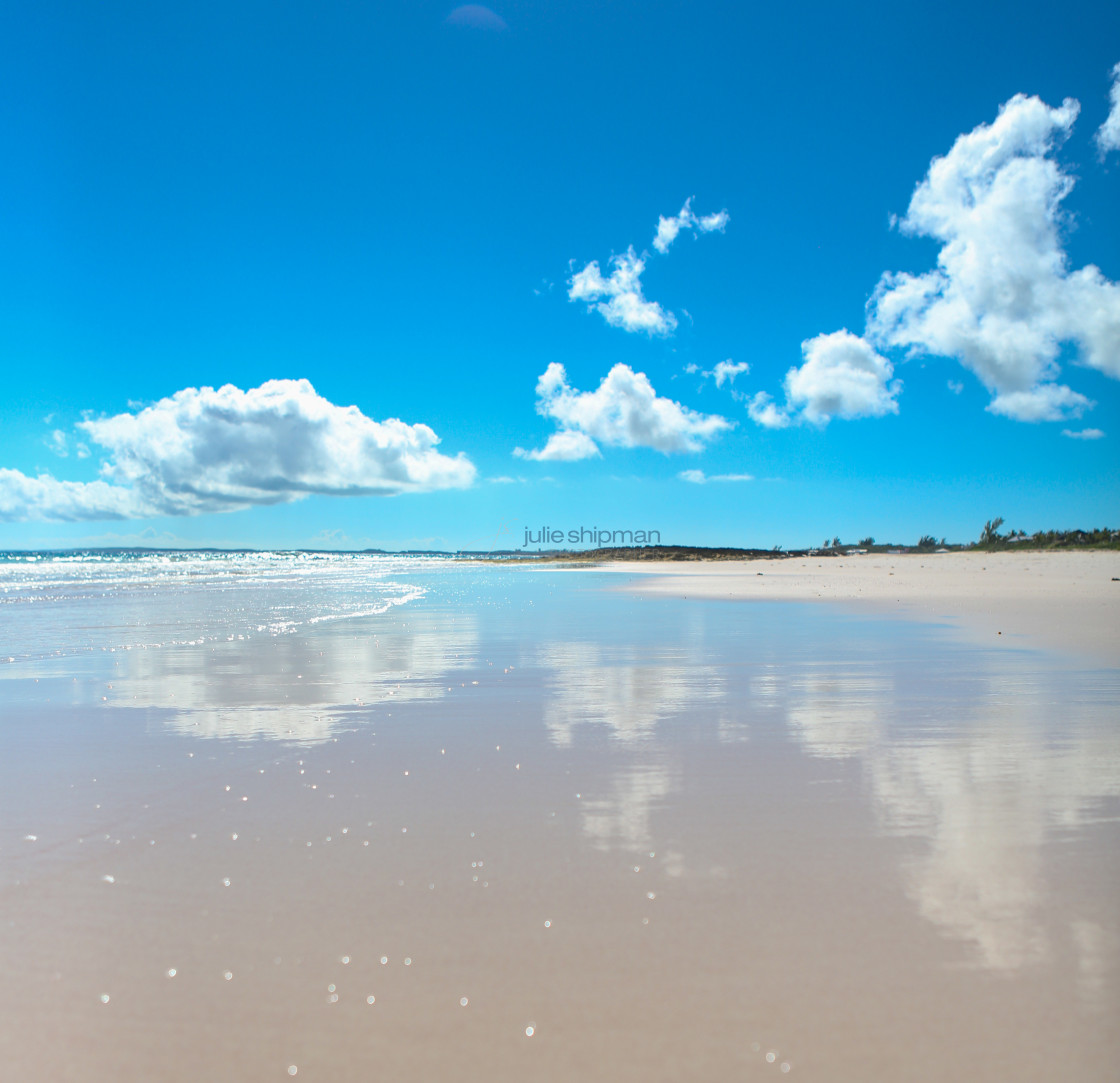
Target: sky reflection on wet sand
[[521, 827]]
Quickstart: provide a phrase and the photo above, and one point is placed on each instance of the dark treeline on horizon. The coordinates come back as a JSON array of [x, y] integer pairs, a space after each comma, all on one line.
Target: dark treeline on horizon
[[990, 540]]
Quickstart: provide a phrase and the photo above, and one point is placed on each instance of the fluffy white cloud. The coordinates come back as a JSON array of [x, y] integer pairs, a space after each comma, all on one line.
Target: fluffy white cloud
[[668, 229], [767, 413], [205, 450], [842, 376], [619, 298], [1044, 402], [624, 411], [726, 371], [709, 222], [1084, 434], [43, 497], [698, 477], [567, 445], [1002, 299], [1108, 134]]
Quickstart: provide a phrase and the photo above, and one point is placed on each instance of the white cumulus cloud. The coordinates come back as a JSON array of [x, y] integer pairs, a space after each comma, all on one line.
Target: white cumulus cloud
[[668, 229], [619, 298], [764, 411], [568, 445], [44, 497], [1002, 299], [206, 450], [1108, 134], [1044, 402], [624, 411], [842, 376]]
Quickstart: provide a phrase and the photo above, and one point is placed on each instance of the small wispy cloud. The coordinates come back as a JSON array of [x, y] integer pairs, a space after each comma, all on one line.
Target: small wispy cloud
[[698, 477], [1108, 134], [764, 411], [1083, 434], [726, 371], [59, 443], [723, 372], [668, 229], [618, 297], [476, 17]]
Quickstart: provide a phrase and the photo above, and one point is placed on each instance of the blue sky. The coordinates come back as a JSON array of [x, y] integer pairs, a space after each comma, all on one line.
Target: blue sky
[[448, 217]]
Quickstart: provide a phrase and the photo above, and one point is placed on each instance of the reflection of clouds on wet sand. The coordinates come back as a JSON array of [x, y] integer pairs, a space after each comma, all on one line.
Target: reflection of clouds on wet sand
[[590, 685], [299, 725], [1096, 950], [629, 694], [623, 818], [985, 796], [297, 688], [837, 716]]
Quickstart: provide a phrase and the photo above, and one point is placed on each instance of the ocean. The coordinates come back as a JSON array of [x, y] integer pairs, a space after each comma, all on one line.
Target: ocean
[[55, 604]]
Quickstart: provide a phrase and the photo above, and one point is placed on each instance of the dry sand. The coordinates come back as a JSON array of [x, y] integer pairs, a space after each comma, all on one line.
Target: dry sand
[[1068, 602]]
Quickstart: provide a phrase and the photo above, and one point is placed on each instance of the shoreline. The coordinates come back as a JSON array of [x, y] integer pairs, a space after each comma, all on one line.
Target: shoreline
[[1060, 601]]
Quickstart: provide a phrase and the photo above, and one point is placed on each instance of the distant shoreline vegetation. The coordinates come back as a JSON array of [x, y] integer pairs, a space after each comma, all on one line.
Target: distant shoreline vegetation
[[990, 540]]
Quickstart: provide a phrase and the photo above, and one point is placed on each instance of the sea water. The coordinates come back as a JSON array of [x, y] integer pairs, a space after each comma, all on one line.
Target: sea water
[[55, 604]]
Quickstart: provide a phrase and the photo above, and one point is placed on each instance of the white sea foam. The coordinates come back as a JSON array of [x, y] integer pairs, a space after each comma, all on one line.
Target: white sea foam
[[122, 601]]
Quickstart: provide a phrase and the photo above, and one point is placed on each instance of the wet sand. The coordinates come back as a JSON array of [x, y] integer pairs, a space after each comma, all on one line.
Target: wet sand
[[557, 831], [1068, 602]]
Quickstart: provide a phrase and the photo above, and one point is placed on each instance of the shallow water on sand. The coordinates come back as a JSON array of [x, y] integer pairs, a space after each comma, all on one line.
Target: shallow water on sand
[[525, 827]]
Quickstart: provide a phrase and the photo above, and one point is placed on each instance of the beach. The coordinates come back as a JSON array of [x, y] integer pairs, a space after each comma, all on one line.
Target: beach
[[267, 816], [1062, 601]]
